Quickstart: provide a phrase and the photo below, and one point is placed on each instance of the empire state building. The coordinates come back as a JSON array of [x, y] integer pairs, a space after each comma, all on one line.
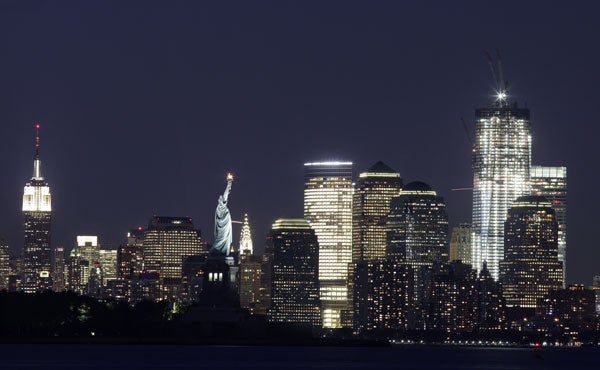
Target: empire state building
[[37, 214]]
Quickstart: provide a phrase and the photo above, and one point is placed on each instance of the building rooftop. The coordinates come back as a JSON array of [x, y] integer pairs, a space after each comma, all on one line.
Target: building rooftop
[[380, 169], [290, 223]]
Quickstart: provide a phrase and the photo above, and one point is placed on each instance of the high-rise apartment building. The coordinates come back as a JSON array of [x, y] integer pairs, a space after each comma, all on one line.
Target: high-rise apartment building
[[460, 243], [551, 183], [295, 277], [462, 301], [370, 206], [167, 242], [568, 313], [328, 209], [501, 167], [383, 296], [37, 215], [530, 267], [4, 264]]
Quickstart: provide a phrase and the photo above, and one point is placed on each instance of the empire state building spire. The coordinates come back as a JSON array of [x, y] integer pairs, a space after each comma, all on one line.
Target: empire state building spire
[[37, 215], [37, 170]]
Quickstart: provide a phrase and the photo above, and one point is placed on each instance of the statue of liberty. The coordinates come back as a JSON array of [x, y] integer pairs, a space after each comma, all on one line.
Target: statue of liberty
[[222, 238]]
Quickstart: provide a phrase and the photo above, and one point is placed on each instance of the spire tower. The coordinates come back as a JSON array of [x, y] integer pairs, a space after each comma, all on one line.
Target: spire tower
[[246, 237], [37, 170]]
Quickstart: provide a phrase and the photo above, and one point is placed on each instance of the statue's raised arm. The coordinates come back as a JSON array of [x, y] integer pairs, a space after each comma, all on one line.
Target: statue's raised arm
[[228, 188], [222, 236]]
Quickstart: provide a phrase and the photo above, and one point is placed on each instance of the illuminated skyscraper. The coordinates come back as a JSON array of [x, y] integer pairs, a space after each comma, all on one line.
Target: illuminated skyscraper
[[250, 282], [551, 183], [108, 262], [596, 288], [37, 215], [530, 267], [4, 264], [295, 278], [328, 209], [78, 271], [88, 248], [417, 234], [58, 274], [417, 226], [167, 242], [383, 296], [246, 237], [460, 243], [130, 256], [370, 206], [501, 166]]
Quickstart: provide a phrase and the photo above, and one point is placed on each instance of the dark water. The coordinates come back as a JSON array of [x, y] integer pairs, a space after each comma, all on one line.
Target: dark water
[[61, 356]]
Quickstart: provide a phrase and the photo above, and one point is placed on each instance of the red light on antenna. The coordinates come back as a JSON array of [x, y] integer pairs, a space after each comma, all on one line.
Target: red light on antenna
[[139, 228], [37, 125]]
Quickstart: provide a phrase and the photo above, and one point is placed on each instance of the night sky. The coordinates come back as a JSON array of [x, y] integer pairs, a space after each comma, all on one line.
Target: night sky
[[146, 105]]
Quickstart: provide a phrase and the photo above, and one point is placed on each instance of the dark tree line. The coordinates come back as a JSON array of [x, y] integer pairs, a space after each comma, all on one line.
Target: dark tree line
[[51, 314]]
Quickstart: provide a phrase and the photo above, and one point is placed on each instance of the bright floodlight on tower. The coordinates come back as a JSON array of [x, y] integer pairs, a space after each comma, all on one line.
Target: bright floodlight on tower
[[229, 176]]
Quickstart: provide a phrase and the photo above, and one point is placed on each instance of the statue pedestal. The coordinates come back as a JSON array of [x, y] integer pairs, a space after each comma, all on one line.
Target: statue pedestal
[[219, 300], [219, 285]]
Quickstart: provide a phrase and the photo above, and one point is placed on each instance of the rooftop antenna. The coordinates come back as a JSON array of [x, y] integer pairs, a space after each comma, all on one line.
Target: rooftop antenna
[[37, 139]]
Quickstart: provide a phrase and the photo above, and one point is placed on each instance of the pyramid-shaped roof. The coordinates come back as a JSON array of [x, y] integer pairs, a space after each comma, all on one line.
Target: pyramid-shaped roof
[[381, 167]]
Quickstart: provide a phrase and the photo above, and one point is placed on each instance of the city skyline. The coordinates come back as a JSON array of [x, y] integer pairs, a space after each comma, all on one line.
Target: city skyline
[[114, 161]]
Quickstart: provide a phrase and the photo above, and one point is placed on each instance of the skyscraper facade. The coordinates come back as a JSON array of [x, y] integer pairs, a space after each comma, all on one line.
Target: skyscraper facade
[[88, 248], [383, 296], [370, 206], [250, 282], [530, 267], [551, 183], [78, 271], [130, 256], [4, 264], [417, 226], [328, 209], [501, 167], [417, 234], [460, 243], [295, 277], [58, 275], [462, 301], [37, 215], [167, 242], [107, 258]]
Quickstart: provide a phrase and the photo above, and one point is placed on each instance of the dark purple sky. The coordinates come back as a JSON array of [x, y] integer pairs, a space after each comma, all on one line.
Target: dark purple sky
[[145, 105]]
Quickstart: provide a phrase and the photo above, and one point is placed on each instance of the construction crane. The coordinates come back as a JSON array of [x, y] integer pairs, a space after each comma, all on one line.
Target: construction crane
[[469, 135], [498, 76]]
